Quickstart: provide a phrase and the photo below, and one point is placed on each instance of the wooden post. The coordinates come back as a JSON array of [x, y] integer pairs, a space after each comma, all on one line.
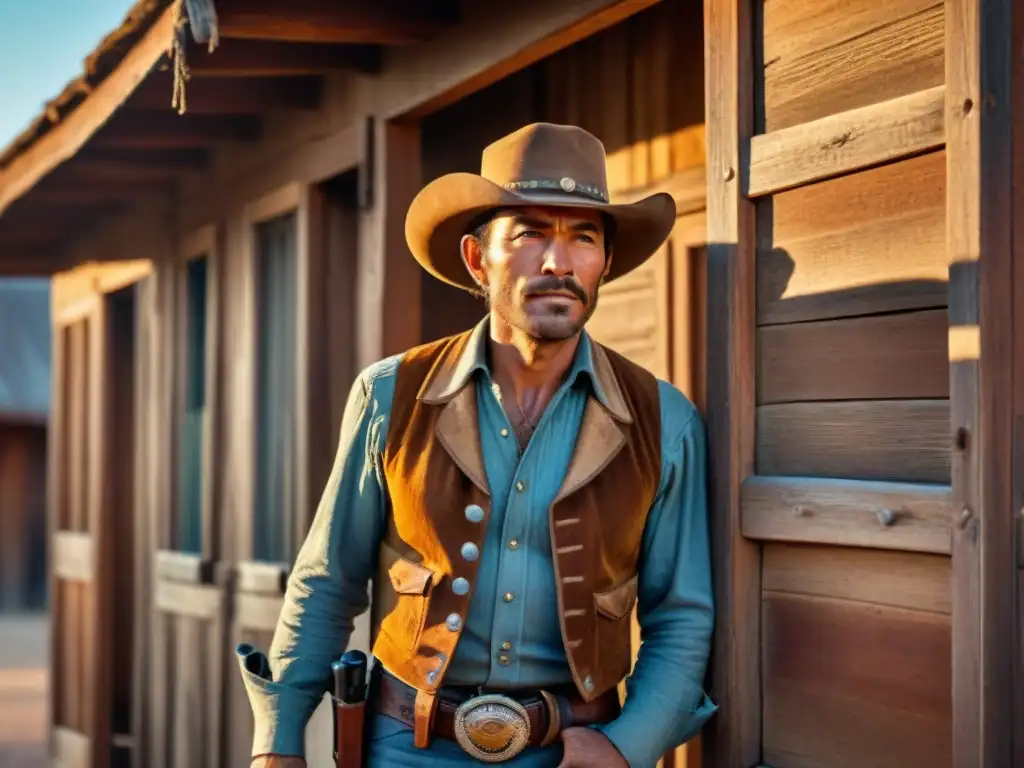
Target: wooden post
[[389, 279], [979, 222], [733, 737]]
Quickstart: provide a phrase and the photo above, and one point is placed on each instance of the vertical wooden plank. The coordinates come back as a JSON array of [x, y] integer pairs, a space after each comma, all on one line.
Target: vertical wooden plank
[[142, 545], [211, 425], [388, 320], [56, 481], [1017, 118], [978, 239], [312, 395], [733, 738], [98, 501]]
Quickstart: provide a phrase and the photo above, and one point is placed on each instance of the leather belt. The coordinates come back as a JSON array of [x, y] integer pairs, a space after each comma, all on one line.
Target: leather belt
[[497, 726]]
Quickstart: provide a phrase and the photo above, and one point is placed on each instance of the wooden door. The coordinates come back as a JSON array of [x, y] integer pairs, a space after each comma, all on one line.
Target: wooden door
[[188, 651], [92, 523]]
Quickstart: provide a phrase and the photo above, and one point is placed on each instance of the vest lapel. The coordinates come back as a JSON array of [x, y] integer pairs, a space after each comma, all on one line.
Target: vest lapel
[[451, 384], [599, 440], [459, 432]]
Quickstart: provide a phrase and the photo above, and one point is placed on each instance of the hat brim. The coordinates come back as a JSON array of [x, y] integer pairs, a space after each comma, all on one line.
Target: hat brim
[[441, 213]]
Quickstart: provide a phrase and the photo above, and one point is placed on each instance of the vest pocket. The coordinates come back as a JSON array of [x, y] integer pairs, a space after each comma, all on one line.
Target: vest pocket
[[411, 583], [617, 602]]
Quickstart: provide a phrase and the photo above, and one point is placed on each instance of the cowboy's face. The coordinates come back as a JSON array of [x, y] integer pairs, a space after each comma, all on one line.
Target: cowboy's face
[[541, 268]]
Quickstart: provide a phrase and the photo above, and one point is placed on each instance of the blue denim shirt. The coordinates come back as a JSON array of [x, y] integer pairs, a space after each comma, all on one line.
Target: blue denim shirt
[[665, 703]]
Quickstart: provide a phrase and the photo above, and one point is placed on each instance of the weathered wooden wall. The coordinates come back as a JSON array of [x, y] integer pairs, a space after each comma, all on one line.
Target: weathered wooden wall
[[834, 417], [853, 383], [22, 517]]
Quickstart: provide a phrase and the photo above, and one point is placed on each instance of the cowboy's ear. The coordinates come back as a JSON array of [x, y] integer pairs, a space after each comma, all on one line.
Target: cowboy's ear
[[608, 263], [473, 257]]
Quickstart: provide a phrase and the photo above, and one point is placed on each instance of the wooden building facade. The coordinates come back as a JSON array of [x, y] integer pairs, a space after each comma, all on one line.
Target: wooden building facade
[[837, 297]]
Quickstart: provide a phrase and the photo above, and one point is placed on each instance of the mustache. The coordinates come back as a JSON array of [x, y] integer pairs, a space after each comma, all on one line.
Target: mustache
[[549, 283]]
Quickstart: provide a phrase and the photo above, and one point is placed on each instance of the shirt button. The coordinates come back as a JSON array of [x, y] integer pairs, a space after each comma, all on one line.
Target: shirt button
[[509, 597], [520, 486], [503, 659], [453, 622], [504, 433], [474, 513], [460, 586], [470, 551], [513, 544], [588, 683], [506, 646]]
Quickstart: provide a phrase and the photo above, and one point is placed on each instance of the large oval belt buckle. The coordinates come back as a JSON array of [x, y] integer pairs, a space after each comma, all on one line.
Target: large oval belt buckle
[[492, 728]]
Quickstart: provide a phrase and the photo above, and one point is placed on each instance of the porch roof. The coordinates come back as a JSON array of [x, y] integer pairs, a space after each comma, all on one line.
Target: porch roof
[[24, 349], [112, 139]]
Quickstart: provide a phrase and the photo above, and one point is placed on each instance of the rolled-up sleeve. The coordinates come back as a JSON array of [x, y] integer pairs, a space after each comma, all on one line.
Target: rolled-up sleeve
[[328, 585], [665, 700]]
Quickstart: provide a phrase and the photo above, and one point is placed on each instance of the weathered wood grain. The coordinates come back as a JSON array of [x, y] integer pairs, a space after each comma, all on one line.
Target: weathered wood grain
[[852, 684], [254, 611], [733, 736], [846, 142], [870, 242], [893, 356], [261, 578], [895, 440], [196, 601], [982, 64], [852, 513], [882, 577], [825, 58]]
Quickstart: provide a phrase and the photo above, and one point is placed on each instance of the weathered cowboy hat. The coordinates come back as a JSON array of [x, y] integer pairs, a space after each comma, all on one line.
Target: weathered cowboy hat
[[540, 164]]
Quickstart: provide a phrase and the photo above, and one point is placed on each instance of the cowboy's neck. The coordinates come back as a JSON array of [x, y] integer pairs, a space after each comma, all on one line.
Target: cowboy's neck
[[529, 372]]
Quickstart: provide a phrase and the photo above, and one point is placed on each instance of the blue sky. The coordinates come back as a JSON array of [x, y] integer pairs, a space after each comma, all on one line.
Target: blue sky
[[42, 46]]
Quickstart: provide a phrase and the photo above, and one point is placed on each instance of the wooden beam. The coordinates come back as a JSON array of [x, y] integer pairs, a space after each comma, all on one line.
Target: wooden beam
[[271, 58], [262, 578], [29, 264], [392, 161], [846, 142], [73, 556], [979, 59], [848, 513], [197, 601], [144, 165], [155, 129], [387, 22], [733, 737], [65, 139], [495, 40], [236, 95]]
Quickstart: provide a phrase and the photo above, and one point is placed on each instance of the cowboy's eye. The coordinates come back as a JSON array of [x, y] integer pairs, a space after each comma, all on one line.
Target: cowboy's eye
[[529, 233], [586, 238]]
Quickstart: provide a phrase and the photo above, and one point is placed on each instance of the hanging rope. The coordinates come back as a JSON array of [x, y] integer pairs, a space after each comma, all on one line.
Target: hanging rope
[[201, 17], [178, 64]]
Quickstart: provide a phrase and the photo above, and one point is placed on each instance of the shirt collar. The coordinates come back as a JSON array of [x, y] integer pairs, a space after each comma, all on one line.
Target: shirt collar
[[590, 363]]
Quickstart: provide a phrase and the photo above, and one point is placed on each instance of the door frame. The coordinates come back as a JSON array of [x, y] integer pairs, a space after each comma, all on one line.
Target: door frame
[[83, 294]]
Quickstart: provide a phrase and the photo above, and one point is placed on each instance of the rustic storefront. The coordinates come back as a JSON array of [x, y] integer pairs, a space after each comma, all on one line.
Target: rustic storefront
[[836, 297]]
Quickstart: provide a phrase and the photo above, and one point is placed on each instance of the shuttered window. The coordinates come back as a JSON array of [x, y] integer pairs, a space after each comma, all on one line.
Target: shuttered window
[[189, 534], [275, 389]]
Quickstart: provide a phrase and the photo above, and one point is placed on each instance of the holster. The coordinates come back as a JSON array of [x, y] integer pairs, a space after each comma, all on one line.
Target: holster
[[350, 724]]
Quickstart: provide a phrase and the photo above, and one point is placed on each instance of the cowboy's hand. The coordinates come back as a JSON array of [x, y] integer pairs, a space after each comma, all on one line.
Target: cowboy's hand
[[277, 761], [585, 747]]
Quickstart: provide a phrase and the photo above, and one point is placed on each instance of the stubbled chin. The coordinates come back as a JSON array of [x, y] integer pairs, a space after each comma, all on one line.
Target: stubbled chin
[[553, 328]]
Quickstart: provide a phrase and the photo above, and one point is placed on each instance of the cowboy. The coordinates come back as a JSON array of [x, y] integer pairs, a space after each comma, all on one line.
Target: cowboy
[[512, 491]]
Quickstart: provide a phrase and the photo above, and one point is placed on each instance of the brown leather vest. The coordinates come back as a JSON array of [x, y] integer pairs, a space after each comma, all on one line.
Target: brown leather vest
[[434, 471]]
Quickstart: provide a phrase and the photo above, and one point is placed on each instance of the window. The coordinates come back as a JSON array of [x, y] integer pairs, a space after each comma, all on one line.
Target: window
[[276, 309], [189, 535]]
